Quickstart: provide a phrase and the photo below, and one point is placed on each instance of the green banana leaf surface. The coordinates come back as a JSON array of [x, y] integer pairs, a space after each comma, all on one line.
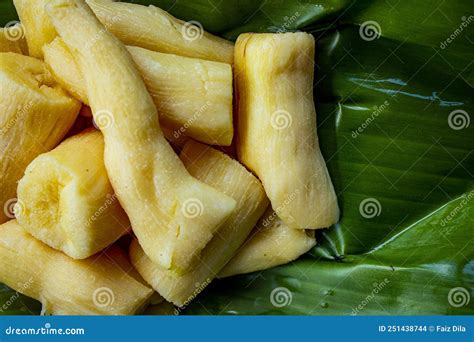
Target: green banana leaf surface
[[394, 97]]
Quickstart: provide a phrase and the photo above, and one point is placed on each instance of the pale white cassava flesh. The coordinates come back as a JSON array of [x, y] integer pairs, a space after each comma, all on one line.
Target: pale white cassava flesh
[[35, 115], [35, 24], [270, 244], [193, 96], [104, 284], [68, 201], [149, 179], [227, 175], [12, 39], [277, 137], [155, 29]]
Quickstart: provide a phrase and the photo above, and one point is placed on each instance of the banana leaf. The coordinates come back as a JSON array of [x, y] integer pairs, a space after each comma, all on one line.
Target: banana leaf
[[7, 12], [405, 274], [394, 96]]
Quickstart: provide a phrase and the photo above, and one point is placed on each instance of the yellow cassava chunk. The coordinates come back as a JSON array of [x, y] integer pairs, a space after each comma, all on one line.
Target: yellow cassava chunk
[[99, 285], [227, 175], [270, 244], [193, 96], [154, 29], [35, 114], [149, 179], [277, 137], [68, 201], [12, 39], [37, 26], [64, 68]]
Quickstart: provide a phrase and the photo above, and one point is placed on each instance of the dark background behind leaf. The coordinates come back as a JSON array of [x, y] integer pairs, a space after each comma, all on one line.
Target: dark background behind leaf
[[407, 158]]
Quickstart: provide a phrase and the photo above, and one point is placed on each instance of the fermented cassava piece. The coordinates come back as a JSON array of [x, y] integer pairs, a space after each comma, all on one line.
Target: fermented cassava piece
[[99, 285], [151, 182], [154, 29], [277, 136], [193, 96], [12, 39], [68, 201], [270, 244], [37, 26], [35, 115], [227, 175], [64, 68]]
